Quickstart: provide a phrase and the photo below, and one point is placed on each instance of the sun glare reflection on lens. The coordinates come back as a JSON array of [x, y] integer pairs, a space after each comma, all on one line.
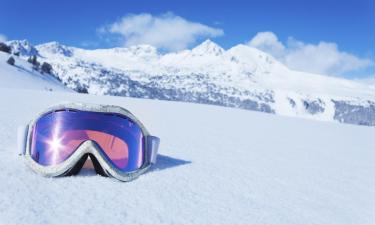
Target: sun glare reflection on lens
[[55, 143]]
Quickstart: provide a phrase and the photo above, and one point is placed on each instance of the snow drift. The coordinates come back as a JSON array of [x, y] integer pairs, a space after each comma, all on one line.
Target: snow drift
[[216, 166]]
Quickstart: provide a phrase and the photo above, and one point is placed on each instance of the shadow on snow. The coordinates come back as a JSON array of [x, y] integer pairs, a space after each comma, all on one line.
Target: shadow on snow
[[162, 162]]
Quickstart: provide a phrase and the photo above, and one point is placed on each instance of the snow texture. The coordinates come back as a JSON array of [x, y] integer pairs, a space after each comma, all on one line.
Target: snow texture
[[216, 166], [22, 75]]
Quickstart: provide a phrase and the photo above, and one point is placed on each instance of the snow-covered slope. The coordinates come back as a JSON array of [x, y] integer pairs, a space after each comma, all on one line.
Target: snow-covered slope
[[241, 77], [216, 166], [22, 75]]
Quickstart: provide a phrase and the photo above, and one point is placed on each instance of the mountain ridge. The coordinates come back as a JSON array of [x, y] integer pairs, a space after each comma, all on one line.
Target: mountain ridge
[[241, 77]]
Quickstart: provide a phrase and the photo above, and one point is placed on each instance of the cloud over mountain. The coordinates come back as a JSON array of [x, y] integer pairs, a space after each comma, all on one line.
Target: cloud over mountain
[[3, 38], [167, 31], [323, 58]]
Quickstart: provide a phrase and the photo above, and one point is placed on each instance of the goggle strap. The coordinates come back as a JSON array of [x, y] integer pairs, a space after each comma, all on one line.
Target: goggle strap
[[22, 132], [153, 146]]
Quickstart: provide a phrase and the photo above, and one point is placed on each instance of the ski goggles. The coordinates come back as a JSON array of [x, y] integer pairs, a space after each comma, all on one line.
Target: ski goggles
[[59, 141]]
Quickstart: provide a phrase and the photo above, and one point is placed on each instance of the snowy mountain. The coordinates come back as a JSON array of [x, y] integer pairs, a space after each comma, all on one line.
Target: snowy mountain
[[23, 47], [23, 75], [241, 77]]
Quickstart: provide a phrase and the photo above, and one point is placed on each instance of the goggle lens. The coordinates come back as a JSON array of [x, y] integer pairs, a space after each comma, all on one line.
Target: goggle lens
[[57, 135]]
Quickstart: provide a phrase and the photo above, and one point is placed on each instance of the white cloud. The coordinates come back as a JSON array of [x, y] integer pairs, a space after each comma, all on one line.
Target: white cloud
[[322, 58], [167, 31], [268, 41], [369, 80], [3, 38]]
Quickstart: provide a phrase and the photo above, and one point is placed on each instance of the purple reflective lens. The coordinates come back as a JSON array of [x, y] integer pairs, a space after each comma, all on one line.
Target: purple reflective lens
[[57, 135]]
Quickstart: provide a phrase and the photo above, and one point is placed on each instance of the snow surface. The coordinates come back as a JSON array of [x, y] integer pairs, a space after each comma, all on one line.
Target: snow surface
[[21, 75], [216, 166]]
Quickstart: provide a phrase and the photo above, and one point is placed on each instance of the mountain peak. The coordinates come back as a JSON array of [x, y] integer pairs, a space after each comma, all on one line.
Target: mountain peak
[[208, 47], [56, 48], [52, 44], [23, 47], [143, 48], [19, 42]]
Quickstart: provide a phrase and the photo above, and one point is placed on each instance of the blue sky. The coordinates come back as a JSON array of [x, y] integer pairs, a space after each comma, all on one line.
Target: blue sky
[[349, 26]]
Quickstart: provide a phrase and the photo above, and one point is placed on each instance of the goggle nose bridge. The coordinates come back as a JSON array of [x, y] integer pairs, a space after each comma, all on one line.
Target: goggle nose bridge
[[88, 149]]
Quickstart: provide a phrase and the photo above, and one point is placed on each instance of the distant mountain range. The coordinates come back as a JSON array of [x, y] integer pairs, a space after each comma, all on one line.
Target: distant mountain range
[[240, 77]]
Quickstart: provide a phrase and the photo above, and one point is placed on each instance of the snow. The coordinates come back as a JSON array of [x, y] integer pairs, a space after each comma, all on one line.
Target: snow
[[216, 166], [240, 77], [241, 67], [242, 73], [22, 75], [208, 47]]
